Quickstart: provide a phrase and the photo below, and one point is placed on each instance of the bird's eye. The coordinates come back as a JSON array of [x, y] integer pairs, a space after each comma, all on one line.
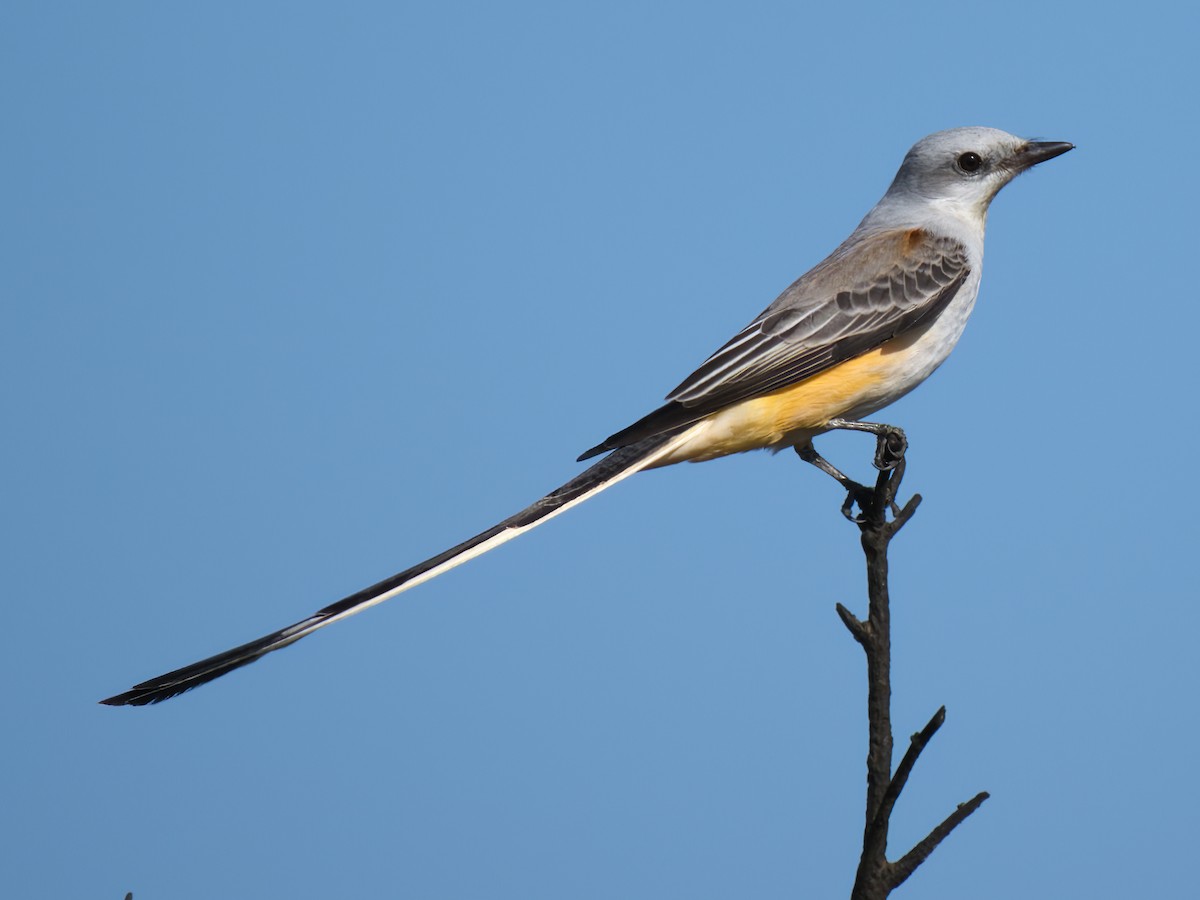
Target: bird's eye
[[970, 162]]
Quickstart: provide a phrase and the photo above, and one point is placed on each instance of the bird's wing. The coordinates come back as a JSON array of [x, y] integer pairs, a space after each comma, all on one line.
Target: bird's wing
[[865, 293], [883, 286]]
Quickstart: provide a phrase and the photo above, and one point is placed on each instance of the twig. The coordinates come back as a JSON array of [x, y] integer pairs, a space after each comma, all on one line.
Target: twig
[[907, 864], [876, 877]]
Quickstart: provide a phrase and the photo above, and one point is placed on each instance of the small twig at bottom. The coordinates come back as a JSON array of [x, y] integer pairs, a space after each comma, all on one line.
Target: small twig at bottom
[[907, 864]]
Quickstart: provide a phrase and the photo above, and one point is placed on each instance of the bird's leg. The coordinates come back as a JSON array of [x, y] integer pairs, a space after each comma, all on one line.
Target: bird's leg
[[809, 454], [855, 492], [890, 441], [890, 447]]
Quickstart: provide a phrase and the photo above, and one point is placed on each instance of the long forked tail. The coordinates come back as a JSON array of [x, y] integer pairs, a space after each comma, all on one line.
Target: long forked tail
[[613, 468]]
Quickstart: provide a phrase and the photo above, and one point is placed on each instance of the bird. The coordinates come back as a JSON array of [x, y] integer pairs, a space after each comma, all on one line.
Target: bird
[[855, 333]]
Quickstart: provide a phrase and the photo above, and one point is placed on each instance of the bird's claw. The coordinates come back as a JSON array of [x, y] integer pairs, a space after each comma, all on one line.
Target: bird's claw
[[860, 494], [864, 497], [890, 447]]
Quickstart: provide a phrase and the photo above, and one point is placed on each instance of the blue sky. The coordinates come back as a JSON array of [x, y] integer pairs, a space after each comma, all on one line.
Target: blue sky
[[296, 295]]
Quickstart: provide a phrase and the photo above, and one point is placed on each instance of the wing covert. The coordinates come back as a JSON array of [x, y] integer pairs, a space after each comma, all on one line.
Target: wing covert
[[815, 324]]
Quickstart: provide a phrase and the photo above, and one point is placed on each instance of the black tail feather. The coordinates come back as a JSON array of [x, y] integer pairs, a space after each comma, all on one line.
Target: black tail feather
[[664, 422], [177, 682], [164, 687]]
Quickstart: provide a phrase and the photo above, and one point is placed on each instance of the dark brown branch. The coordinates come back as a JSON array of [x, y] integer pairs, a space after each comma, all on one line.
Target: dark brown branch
[[876, 877], [852, 622], [907, 864], [877, 827], [916, 745]]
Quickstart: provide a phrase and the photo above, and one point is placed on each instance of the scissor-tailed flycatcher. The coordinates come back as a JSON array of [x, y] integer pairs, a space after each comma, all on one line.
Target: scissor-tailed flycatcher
[[858, 331]]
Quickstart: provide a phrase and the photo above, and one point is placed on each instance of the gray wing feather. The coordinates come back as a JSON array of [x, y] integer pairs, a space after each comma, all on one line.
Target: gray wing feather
[[816, 323]]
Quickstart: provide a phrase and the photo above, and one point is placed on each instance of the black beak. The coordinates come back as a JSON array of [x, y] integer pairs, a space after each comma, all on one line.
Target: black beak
[[1039, 151]]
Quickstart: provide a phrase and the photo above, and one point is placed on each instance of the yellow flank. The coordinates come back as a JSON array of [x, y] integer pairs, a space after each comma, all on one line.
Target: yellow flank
[[796, 413], [814, 401]]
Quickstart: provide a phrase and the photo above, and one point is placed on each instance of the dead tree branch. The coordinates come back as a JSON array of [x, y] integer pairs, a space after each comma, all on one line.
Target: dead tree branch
[[876, 876]]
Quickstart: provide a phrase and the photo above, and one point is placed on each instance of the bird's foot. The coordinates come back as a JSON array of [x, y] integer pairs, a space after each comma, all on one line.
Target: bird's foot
[[891, 444], [857, 494], [863, 497]]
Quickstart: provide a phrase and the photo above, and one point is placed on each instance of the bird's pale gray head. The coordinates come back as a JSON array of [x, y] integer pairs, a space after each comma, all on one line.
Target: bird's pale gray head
[[966, 167]]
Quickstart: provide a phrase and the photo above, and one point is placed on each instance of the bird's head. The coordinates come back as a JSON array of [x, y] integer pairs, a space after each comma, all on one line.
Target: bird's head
[[964, 168]]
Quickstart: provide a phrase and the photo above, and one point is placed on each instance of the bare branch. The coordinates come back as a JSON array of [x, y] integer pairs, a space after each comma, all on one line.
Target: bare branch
[[916, 744], [853, 623], [876, 877], [892, 794], [908, 863], [905, 514]]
